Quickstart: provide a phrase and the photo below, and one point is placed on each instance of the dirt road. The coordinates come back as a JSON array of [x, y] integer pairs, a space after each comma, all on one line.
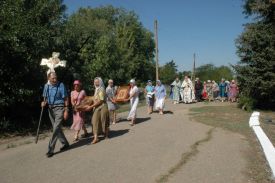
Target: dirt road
[[168, 148]]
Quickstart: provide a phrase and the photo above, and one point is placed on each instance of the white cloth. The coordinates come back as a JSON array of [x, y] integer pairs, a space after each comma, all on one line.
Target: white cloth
[[159, 104], [150, 94], [134, 103]]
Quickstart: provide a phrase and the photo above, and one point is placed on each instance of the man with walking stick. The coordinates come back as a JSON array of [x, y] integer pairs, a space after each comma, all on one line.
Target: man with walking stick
[[57, 100]]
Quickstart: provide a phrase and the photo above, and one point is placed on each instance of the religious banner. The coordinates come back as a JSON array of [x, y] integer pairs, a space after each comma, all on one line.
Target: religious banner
[[122, 93]]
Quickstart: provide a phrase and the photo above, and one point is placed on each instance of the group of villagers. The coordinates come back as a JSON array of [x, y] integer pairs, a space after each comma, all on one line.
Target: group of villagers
[[189, 92], [104, 107]]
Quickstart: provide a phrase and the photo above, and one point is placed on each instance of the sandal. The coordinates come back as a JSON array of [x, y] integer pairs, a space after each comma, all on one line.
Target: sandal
[[95, 141], [76, 139]]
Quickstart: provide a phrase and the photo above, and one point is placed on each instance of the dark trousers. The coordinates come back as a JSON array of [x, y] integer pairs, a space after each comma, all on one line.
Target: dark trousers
[[56, 117]]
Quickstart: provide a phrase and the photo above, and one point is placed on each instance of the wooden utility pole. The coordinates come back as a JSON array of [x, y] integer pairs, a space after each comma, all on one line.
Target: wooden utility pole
[[157, 50], [194, 67]]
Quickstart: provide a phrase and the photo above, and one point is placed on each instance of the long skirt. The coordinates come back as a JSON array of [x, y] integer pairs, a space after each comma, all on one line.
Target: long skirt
[[159, 103], [100, 119], [78, 121], [133, 112], [112, 106], [176, 94]]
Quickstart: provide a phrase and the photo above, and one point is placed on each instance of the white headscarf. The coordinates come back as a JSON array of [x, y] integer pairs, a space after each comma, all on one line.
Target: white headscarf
[[101, 85], [158, 81], [133, 81]]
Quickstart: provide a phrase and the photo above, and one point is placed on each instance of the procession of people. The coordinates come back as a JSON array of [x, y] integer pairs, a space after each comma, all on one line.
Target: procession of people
[[104, 103], [187, 92]]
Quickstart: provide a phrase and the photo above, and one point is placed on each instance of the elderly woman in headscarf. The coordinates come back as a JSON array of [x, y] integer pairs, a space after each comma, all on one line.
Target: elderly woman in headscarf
[[134, 99], [149, 91], [233, 90], [100, 119], [215, 90], [160, 92], [176, 90], [222, 86], [77, 95], [209, 90], [112, 106]]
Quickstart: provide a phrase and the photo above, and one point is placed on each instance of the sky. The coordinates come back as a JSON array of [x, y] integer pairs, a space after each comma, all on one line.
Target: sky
[[207, 28]]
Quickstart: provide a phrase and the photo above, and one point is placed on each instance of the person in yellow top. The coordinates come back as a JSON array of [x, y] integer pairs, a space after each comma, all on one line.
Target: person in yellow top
[[100, 119]]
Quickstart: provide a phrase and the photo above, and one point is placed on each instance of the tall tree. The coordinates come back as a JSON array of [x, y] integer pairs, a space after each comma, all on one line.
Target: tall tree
[[29, 29], [109, 42], [211, 72], [256, 49], [168, 72]]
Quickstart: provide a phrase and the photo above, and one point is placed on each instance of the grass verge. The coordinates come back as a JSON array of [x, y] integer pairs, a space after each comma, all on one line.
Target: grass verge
[[236, 120]]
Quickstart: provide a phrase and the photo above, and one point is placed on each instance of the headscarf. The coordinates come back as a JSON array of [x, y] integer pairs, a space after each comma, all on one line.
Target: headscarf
[[77, 82], [133, 81], [158, 81], [101, 85]]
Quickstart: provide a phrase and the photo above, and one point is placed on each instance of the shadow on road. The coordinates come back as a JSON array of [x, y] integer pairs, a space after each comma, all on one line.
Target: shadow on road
[[138, 120], [117, 133], [165, 112], [168, 112], [88, 140], [141, 120]]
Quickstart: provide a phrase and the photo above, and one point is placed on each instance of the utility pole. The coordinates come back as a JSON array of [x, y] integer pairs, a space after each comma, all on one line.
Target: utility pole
[[157, 50], [194, 67]]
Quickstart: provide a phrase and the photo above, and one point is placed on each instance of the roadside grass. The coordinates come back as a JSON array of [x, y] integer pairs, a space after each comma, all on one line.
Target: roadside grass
[[267, 121], [231, 118]]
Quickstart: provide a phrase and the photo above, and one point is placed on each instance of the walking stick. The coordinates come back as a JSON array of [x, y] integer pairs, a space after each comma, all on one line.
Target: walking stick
[[37, 132]]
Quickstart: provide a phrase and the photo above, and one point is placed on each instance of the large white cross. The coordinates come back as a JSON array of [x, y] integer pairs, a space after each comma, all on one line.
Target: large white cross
[[53, 62]]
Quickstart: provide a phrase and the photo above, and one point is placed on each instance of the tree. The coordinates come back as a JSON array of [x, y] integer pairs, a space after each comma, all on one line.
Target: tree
[[211, 72], [168, 72], [29, 29], [256, 49], [109, 42]]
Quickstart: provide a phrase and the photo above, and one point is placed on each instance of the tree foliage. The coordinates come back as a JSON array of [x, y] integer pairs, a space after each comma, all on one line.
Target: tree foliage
[[28, 30], [168, 72], [256, 49], [211, 72]]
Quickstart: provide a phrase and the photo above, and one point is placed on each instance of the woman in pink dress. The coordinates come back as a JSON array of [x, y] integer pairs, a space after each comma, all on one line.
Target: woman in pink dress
[[77, 95], [233, 90]]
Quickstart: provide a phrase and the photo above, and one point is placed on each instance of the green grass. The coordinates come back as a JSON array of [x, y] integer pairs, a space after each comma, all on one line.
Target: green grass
[[236, 120], [268, 127], [227, 117]]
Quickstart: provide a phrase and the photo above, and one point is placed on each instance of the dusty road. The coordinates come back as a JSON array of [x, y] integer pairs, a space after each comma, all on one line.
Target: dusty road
[[168, 148]]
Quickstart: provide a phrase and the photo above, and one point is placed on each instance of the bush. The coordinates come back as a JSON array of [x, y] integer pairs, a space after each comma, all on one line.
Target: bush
[[247, 103]]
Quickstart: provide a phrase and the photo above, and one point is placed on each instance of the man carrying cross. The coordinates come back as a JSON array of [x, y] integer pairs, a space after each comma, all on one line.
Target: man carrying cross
[[56, 97]]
